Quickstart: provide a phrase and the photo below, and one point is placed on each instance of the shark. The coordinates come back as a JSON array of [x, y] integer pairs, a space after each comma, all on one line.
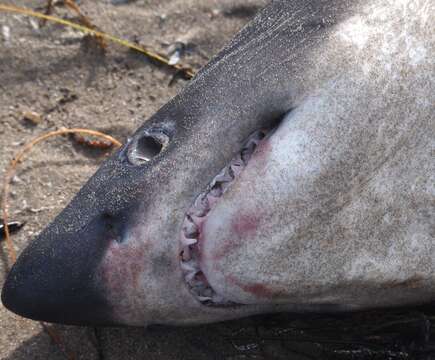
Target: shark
[[294, 173]]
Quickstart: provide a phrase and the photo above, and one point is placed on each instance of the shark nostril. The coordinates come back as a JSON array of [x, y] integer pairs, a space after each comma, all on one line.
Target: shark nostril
[[113, 233], [109, 226], [145, 147], [108, 220], [112, 228], [107, 216]]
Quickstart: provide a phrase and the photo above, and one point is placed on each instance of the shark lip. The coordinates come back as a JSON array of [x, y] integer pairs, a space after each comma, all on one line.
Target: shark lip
[[191, 231]]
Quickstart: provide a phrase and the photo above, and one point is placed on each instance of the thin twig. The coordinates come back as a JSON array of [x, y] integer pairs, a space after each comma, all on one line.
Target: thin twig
[[54, 335], [48, 11], [57, 339], [13, 164], [85, 21], [186, 71]]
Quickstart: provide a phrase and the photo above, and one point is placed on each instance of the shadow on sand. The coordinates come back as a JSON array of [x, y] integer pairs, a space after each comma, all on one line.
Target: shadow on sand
[[394, 335]]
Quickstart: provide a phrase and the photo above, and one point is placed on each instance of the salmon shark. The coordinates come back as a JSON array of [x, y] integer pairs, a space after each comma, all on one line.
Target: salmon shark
[[294, 173]]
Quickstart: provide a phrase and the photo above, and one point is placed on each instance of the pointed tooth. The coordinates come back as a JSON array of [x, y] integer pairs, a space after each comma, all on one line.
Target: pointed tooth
[[190, 229], [237, 161], [189, 276], [237, 165], [200, 206], [223, 176], [188, 241], [189, 266], [252, 141], [237, 169], [216, 191]]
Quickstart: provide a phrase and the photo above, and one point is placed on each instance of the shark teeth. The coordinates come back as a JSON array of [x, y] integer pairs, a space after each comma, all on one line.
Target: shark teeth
[[189, 266], [190, 229], [195, 216], [200, 207], [188, 241], [237, 165]]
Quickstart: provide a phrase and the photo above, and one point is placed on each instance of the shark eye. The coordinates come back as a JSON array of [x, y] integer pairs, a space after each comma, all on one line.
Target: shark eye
[[146, 146]]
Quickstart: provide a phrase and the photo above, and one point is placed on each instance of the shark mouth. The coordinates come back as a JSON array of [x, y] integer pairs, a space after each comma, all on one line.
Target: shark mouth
[[190, 237]]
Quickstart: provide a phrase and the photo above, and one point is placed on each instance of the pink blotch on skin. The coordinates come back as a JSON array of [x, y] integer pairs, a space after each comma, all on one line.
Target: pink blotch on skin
[[245, 225], [122, 267], [242, 226], [120, 274], [258, 290]]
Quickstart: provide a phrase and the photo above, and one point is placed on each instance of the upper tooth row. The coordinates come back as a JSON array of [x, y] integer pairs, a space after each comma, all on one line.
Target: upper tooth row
[[221, 181], [217, 187], [197, 213]]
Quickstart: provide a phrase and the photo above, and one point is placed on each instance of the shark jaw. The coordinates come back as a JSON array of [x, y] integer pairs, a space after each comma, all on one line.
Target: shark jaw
[[191, 234]]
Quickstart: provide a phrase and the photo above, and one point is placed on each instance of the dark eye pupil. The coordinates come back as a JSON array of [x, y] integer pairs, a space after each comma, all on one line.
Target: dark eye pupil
[[148, 147], [144, 148]]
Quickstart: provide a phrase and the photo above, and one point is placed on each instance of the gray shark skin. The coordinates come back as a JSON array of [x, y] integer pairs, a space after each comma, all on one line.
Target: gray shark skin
[[333, 208]]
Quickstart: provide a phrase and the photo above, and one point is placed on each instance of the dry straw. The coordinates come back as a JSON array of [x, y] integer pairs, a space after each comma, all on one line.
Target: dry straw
[[19, 157], [186, 71]]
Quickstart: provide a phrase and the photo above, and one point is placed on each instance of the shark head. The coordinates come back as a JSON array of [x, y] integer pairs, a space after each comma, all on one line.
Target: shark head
[[114, 254]]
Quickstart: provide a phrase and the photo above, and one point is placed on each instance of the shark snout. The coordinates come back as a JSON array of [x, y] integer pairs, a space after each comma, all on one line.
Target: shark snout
[[54, 279]]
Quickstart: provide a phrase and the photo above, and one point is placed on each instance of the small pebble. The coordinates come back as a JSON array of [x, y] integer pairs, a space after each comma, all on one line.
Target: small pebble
[[176, 51], [6, 32], [16, 180], [32, 117], [34, 24]]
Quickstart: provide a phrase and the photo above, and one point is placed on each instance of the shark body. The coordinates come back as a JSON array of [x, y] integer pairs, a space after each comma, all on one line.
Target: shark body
[[295, 172]]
